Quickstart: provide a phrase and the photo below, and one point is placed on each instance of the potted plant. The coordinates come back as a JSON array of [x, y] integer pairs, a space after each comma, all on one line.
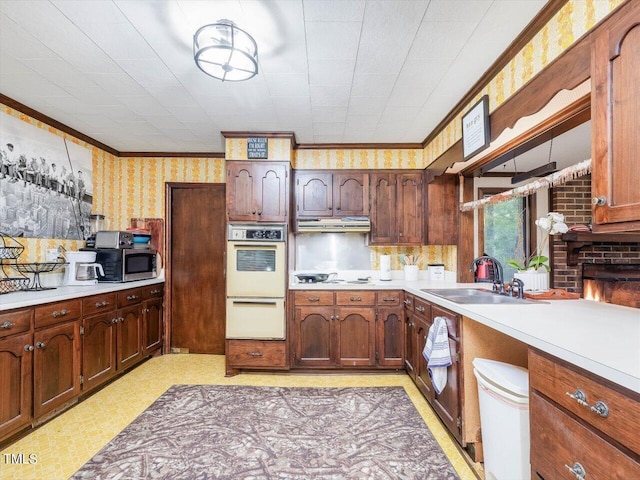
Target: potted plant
[[534, 270]]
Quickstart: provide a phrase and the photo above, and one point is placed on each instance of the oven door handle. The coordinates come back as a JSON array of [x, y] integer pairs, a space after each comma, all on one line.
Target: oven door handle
[[262, 246], [256, 302]]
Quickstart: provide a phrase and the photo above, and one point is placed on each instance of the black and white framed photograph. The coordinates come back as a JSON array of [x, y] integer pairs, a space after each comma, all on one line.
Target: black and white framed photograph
[[46, 188], [476, 134]]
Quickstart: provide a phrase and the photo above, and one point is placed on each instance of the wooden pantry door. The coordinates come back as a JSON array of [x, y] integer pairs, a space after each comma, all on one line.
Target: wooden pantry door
[[196, 283]]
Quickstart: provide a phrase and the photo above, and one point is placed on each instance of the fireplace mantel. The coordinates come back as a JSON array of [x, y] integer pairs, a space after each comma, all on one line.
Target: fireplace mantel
[[577, 240]]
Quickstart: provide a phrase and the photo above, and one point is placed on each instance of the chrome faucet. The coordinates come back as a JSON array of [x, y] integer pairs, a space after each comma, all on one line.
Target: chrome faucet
[[517, 284], [499, 277]]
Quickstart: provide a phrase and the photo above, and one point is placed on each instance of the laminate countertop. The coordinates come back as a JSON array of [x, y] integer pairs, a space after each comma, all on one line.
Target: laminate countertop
[[27, 298], [599, 337]]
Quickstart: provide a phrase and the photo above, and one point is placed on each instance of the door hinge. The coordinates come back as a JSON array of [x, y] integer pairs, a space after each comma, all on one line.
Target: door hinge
[[459, 423], [377, 356], [81, 330], [81, 379], [376, 315], [457, 357]]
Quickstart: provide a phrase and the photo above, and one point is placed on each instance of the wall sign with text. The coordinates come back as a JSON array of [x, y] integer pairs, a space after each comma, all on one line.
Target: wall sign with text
[[476, 134], [257, 147]]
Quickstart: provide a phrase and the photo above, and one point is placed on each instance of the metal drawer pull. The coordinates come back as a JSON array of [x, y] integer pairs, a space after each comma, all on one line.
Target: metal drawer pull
[[420, 308], [355, 299], [115, 320], [407, 302], [28, 348], [153, 292], [6, 325], [577, 470], [121, 319], [313, 299], [579, 397], [391, 299], [102, 304], [600, 408], [40, 345], [60, 313], [256, 354], [131, 297]]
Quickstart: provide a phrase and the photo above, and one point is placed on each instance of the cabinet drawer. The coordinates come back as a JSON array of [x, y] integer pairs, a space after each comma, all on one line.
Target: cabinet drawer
[[408, 301], [256, 353], [99, 304], [14, 322], [130, 297], [422, 308], [355, 298], [154, 291], [58, 312], [557, 440], [310, 297], [453, 319], [557, 381], [391, 298]]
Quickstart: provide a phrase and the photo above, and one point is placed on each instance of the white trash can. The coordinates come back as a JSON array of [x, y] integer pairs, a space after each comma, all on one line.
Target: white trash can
[[503, 391]]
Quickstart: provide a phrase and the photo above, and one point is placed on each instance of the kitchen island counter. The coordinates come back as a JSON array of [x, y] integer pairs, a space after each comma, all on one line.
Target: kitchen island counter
[[28, 298], [599, 337]]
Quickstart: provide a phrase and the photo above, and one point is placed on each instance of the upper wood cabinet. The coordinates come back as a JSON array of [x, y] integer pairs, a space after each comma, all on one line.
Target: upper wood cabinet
[[331, 194], [397, 209], [442, 211], [615, 103], [257, 191]]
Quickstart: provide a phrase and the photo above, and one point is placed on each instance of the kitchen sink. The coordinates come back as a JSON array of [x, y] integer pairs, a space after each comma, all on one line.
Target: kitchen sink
[[477, 296]]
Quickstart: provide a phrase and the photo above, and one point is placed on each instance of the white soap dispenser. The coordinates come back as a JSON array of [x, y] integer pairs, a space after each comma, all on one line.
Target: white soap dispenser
[[385, 268]]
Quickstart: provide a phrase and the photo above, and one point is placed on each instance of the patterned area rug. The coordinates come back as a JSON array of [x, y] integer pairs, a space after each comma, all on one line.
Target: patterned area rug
[[255, 433]]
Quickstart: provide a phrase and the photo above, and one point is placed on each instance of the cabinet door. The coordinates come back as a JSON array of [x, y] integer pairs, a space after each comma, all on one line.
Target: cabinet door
[[56, 366], [240, 191], [390, 337], [350, 194], [410, 345], [312, 337], [615, 73], [410, 209], [314, 194], [355, 337], [129, 336], [271, 192], [422, 373], [15, 383], [383, 208], [151, 326], [98, 349], [442, 211], [447, 403]]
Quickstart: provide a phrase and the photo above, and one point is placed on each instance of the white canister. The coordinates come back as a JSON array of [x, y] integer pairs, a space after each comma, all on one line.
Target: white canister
[[411, 273], [385, 267], [436, 272]]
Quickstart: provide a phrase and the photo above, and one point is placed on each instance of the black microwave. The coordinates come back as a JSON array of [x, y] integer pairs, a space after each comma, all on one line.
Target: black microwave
[[126, 264]]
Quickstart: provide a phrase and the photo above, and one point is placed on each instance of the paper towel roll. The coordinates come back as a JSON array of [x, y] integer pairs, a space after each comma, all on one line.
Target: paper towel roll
[[385, 267]]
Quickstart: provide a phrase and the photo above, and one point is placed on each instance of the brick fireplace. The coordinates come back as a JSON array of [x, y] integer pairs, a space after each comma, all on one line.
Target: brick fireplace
[[573, 200]]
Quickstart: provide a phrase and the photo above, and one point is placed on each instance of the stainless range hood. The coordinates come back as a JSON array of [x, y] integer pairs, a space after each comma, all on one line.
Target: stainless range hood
[[346, 224]]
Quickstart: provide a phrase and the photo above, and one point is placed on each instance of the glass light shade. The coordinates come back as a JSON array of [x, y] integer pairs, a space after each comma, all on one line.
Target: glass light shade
[[225, 52]]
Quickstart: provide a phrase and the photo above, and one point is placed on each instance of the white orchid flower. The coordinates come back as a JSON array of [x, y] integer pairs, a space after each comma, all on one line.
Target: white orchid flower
[[544, 223], [556, 217], [559, 227]]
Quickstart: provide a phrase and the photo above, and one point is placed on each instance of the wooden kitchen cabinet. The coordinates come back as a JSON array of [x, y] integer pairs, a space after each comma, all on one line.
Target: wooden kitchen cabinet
[[129, 336], [338, 193], [152, 326], [56, 367], [347, 329], [16, 371], [98, 349], [615, 101], [397, 210], [410, 347], [594, 432], [257, 191], [442, 211]]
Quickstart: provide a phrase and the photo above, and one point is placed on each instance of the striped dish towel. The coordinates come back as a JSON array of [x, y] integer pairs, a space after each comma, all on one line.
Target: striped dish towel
[[437, 354]]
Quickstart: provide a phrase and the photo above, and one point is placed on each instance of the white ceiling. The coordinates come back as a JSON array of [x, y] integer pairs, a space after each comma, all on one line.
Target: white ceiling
[[332, 71]]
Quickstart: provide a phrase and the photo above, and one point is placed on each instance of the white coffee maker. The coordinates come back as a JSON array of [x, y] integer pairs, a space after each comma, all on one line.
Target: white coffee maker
[[82, 268]]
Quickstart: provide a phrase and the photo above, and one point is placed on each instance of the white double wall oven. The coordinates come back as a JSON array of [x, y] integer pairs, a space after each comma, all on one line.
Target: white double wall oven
[[256, 276]]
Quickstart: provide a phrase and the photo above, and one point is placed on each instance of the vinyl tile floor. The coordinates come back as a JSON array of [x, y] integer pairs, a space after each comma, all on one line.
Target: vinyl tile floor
[[60, 447]]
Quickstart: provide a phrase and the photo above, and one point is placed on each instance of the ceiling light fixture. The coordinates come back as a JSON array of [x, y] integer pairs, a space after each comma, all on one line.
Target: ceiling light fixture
[[226, 52]]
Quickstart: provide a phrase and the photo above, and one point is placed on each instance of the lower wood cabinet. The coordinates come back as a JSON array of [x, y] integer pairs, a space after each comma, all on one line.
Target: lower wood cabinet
[[580, 422], [56, 367], [51, 353], [347, 329], [255, 355]]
